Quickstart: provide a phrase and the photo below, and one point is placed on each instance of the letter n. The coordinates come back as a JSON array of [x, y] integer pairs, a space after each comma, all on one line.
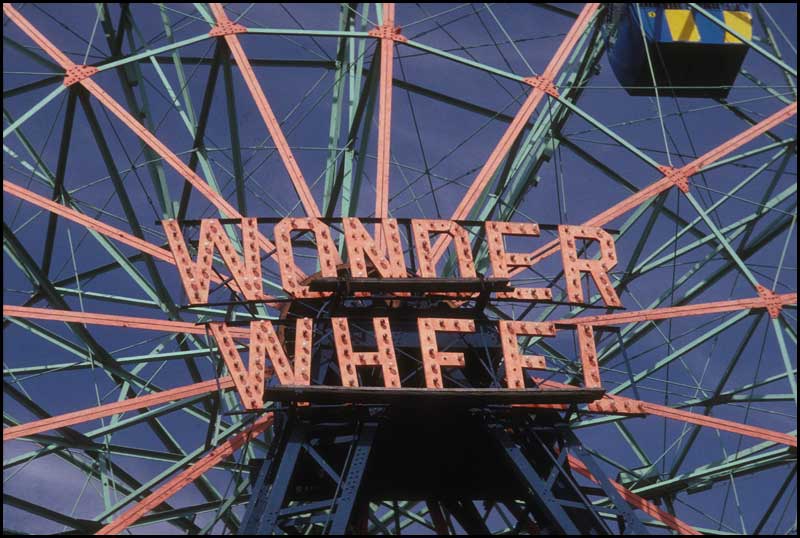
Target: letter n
[[360, 246]]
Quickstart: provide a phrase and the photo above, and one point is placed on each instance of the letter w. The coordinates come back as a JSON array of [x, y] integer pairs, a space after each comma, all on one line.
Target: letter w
[[264, 342], [196, 276]]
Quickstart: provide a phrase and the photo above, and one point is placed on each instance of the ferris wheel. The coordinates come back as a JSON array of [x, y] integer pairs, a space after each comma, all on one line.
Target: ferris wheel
[[671, 128]]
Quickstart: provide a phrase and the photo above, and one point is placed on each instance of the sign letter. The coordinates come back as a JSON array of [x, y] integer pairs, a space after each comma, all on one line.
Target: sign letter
[[349, 360], [432, 358], [573, 266], [196, 276], [515, 361], [250, 384], [503, 262], [360, 246], [326, 250]]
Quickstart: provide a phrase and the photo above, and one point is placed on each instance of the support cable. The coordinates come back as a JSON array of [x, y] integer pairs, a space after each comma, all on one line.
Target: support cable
[[655, 85]]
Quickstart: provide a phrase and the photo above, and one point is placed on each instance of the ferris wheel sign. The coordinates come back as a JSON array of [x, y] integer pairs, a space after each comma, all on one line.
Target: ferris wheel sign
[[126, 341], [377, 261]]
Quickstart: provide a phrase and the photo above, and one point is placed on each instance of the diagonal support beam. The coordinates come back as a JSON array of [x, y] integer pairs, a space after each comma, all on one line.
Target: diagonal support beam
[[88, 222], [225, 27], [130, 322], [621, 405], [538, 90], [762, 301], [100, 411], [673, 177], [186, 477], [98, 226], [637, 502], [538, 491], [719, 424], [125, 117]]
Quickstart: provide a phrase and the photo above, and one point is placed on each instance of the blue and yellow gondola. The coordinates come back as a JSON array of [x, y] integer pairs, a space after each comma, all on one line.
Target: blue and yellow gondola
[[689, 55]]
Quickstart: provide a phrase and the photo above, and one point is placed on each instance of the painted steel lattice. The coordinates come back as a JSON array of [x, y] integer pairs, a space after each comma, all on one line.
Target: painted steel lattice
[[118, 413]]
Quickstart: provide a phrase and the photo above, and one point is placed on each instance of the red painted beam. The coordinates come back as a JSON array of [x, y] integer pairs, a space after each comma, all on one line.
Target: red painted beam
[[620, 405], [719, 424], [37, 37], [186, 477], [384, 121], [227, 29], [125, 117], [634, 500], [100, 411], [92, 224], [674, 177], [105, 229], [682, 311], [130, 322], [88, 222], [520, 120], [165, 153]]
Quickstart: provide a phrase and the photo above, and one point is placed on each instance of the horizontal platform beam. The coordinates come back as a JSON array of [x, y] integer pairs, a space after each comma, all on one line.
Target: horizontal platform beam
[[410, 284], [426, 397]]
